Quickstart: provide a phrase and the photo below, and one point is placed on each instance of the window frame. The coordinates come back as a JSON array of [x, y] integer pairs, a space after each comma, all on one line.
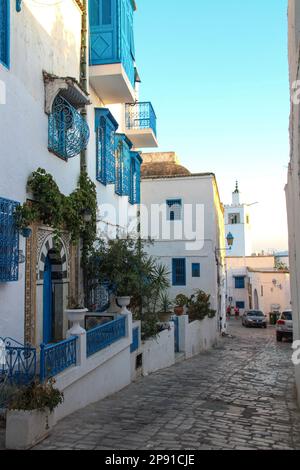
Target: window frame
[[196, 275], [171, 215], [242, 285], [6, 61], [175, 281]]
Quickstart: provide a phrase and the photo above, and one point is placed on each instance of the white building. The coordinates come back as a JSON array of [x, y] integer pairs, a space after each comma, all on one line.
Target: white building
[[49, 82], [238, 223], [189, 238], [254, 283], [293, 184]]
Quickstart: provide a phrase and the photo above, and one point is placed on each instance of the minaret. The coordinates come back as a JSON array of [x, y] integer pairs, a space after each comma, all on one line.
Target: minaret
[[236, 195]]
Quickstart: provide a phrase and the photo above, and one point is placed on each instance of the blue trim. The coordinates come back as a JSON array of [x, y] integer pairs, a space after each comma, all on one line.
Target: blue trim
[[179, 272], [123, 165], [103, 336], [135, 340], [135, 178], [9, 242], [56, 358], [239, 282], [105, 127], [5, 32]]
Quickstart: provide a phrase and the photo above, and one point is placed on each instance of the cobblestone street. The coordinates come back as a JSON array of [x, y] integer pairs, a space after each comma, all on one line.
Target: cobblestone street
[[239, 396]]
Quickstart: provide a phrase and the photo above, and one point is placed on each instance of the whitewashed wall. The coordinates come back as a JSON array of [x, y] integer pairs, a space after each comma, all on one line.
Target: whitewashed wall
[[198, 336], [159, 352]]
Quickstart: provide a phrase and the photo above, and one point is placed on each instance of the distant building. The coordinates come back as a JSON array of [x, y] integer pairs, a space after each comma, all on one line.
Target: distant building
[[238, 223], [196, 264], [254, 283]]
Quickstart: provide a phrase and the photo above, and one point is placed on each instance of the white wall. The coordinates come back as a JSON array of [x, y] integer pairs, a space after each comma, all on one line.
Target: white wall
[[159, 352], [198, 336], [271, 294]]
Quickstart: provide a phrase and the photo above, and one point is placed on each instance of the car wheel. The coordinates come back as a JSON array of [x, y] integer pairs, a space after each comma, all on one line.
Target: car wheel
[[279, 337]]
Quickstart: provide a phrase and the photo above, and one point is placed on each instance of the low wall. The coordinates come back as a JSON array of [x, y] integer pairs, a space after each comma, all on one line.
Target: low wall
[[198, 336], [96, 377], [159, 352]]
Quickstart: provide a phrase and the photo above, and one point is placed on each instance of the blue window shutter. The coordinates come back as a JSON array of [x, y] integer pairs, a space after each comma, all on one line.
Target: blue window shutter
[[105, 127], [179, 272], [4, 32], [135, 178], [240, 282], [123, 165], [196, 270], [240, 305], [9, 242]]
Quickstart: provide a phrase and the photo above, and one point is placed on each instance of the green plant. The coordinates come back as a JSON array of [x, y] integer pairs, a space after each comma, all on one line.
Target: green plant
[[37, 396], [199, 306], [75, 304], [165, 303], [61, 212], [181, 300]]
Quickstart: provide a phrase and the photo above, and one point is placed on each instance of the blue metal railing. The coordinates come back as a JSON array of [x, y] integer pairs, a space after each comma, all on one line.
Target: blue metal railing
[[17, 362], [135, 339], [140, 115], [56, 358], [103, 336]]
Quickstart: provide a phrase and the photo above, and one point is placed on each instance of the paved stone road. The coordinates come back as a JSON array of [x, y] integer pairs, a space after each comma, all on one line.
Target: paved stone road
[[239, 396]]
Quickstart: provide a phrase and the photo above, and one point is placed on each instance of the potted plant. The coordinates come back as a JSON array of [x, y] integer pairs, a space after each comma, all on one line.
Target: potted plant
[[181, 301], [199, 306], [76, 313], [24, 216], [30, 415], [165, 308]]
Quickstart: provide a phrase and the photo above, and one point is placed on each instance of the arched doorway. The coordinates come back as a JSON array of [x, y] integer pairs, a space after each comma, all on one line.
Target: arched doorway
[[256, 303]]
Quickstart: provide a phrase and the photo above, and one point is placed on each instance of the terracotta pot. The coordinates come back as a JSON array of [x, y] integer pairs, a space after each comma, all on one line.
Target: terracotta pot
[[179, 311]]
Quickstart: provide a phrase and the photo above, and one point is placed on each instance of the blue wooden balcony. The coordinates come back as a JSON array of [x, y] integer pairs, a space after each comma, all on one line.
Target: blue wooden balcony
[[112, 53], [140, 122]]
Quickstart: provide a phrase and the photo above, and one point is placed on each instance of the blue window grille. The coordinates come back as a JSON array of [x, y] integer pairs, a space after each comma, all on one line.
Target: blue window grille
[[9, 242], [240, 305], [103, 336], [111, 34], [4, 32], [179, 272], [56, 358], [135, 339], [122, 165], [140, 115], [174, 209], [196, 270], [68, 131], [135, 178], [240, 282], [106, 127]]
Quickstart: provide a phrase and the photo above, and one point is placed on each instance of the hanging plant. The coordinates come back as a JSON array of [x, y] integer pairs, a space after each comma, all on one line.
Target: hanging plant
[[61, 212]]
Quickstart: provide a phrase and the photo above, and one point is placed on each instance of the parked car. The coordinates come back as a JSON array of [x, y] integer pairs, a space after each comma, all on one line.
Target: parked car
[[254, 318], [284, 326]]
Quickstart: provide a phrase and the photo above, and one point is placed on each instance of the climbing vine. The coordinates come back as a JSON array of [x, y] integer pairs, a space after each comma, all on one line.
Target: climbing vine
[[61, 212]]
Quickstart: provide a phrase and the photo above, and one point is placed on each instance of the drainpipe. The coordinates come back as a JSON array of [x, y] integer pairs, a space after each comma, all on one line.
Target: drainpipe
[[83, 72]]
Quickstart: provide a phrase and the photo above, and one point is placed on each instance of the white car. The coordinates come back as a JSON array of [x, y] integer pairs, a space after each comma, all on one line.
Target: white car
[[284, 326]]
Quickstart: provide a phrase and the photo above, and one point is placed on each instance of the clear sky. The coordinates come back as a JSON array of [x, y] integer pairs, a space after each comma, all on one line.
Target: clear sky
[[217, 75]]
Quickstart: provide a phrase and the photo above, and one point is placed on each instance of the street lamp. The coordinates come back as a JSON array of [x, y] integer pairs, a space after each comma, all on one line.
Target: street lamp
[[230, 240]]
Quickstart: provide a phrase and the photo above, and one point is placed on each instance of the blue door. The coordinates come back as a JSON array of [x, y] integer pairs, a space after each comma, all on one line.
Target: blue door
[[103, 31], [48, 303]]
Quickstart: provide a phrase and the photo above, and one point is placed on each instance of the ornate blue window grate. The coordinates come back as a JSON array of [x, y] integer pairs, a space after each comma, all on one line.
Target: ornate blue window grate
[[4, 32], [106, 127], [9, 242], [58, 357], [103, 336], [140, 116], [135, 339], [179, 272], [122, 165], [135, 178], [68, 131], [17, 362]]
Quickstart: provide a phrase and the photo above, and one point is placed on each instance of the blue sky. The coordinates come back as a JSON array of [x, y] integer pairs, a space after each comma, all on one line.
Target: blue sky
[[217, 75]]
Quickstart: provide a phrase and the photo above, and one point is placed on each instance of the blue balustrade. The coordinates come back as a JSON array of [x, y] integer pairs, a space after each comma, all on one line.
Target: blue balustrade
[[55, 358], [9, 242], [140, 115], [111, 34], [135, 339], [68, 132], [17, 362], [103, 336]]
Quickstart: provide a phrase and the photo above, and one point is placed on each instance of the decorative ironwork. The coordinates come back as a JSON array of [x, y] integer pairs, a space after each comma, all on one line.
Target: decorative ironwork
[[56, 358], [9, 242], [103, 336], [135, 339], [140, 115], [135, 178], [17, 362], [68, 131], [98, 297], [122, 165]]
